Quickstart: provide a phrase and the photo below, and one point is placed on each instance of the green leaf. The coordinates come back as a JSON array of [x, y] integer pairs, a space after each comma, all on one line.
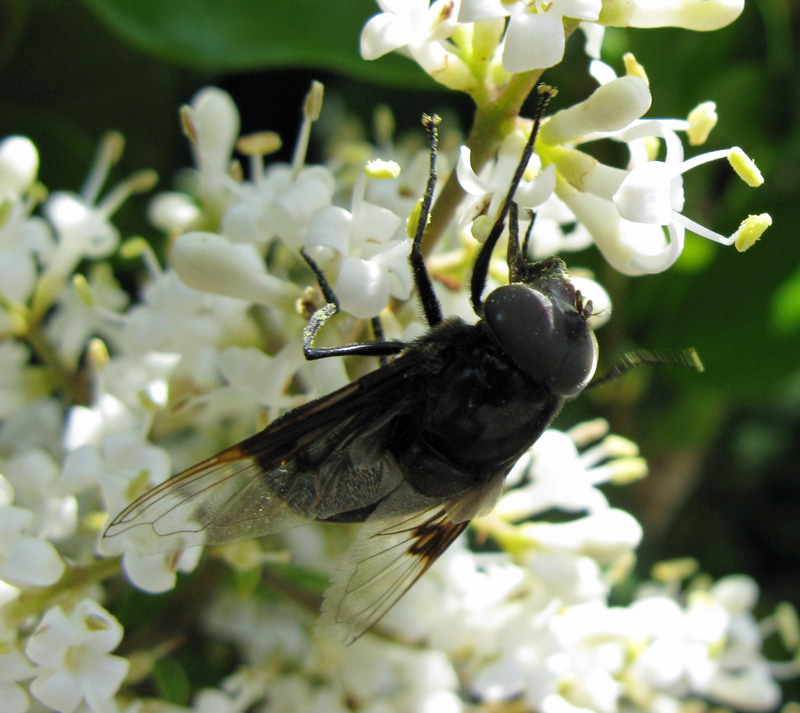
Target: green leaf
[[238, 35]]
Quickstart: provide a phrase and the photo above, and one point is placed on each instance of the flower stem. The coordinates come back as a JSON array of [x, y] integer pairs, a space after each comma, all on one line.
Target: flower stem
[[32, 601]]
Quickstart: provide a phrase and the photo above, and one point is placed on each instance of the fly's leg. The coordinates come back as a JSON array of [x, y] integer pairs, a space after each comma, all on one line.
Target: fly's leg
[[431, 307], [517, 265], [380, 347], [422, 280], [377, 332]]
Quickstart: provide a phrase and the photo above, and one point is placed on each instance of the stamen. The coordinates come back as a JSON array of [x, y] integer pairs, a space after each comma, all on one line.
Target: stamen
[[139, 182], [108, 154], [745, 167], [751, 230], [702, 119], [311, 110]]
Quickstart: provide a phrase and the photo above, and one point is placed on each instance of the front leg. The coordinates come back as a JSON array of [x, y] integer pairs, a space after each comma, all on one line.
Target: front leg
[[379, 348]]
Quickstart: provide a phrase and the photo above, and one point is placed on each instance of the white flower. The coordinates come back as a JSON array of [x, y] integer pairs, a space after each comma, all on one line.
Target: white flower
[[175, 319], [238, 693], [14, 667], [159, 573], [419, 677], [209, 263], [23, 237], [602, 536], [72, 651], [613, 106], [123, 465], [173, 212], [90, 425], [263, 378], [19, 165], [373, 265], [263, 631], [35, 424], [140, 382], [627, 211], [34, 476], [278, 203], [406, 22], [24, 559], [652, 194], [562, 477], [212, 122], [422, 32], [488, 194], [82, 222], [74, 321], [710, 648], [535, 34]]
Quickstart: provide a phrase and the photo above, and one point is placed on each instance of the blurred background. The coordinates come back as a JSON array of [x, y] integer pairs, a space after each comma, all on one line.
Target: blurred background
[[723, 446]]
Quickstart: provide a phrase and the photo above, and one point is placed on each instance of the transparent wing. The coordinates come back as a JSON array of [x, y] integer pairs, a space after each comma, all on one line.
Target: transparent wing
[[224, 498], [394, 548], [320, 460]]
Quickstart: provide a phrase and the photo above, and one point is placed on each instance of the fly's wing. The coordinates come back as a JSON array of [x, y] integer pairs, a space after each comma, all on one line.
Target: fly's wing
[[322, 459], [222, 499], [396, 545]]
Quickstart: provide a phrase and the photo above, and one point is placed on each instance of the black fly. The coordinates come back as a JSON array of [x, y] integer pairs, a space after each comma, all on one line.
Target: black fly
[[414, 450]]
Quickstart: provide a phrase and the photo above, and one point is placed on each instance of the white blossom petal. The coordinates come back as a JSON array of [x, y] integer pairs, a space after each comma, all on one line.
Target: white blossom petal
[[209, 263], [690, 14], [611, 107], [645, 194], [468, 179], [19, 165], [382, 34], [158, 573], [477, 10], [330, 226], [216, 122], [31, 561], [534, 41], [362, 287]]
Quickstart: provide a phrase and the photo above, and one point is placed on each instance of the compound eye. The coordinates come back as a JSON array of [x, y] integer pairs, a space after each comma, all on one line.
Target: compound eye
[[549, 342]]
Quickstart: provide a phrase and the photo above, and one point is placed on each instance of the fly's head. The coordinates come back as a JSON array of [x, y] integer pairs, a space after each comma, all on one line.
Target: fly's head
[[541, 322]]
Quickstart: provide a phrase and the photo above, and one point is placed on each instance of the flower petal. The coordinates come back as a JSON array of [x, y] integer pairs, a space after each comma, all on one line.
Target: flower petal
[[330, 226], [534, 41], [468, 179], [382, 34], [32, 561], [362, 287], [209, 263]]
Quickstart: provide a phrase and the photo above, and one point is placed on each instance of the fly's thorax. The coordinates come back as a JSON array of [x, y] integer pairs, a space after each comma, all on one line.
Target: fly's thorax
[[542, 326]]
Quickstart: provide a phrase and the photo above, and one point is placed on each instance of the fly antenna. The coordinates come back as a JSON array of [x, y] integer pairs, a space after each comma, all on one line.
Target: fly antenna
[[687, 358], [481, 269]]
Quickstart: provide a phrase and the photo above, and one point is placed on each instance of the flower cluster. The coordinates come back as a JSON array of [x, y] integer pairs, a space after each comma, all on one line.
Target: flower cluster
[[103, 395], [459, 42]]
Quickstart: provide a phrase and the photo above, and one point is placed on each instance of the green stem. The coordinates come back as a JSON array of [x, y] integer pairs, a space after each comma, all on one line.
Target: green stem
[[33, 601]]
